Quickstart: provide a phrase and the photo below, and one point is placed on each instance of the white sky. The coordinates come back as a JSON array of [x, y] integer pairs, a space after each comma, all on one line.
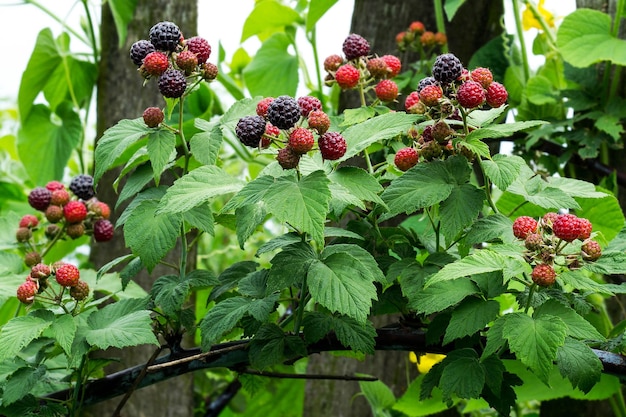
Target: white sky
[[20, 24]]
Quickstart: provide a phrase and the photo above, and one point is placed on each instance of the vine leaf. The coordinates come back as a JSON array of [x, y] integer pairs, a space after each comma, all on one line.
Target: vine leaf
[[205, 145], [161, 150], [271, 346], [21, 382], [349, 332], [442, 295], [578, 363], [19, 332], [471, 316], [502, 170], [535, 341], [460, 209], [463, 375], [577, 326], [170, 291], [63, 329]]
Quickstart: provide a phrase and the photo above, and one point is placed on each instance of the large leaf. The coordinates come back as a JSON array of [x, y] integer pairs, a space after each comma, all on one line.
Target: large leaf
[[162, 151], [197, 187], [268, 16], [579, 364], [358, 182], [584, 38], [463, 375], [151, 235], [503, 169], [577, 326], [19, 332], [502, 130], [471, 316], [21, 382], [122, 11], [460, 209], [337, 283], [386, 126], [44, 144], [121, 324], [317, 9], [205, 145], [63, 329], [442, 295], [303, 204], [368, 268], [494, 226], [273, 70], [535, 341]]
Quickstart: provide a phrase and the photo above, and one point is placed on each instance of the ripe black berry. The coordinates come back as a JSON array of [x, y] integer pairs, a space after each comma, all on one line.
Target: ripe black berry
[[332, 145], [355, 46], [165, 36], [426, 82], [447, 68], [172, 83], [139, 50], [82, 186], [283, 112], [250, 129], [39, 198]]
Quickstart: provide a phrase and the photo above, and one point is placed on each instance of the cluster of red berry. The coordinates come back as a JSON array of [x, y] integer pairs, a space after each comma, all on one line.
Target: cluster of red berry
[[172, 59], [546, 241], [38, 286], [446, 98], [71, 214], [417, 38], [358, 69], [293, 126]]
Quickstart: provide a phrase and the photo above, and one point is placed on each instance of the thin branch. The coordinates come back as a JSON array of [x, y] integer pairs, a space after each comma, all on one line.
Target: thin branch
[[199, 356], [308, 376]]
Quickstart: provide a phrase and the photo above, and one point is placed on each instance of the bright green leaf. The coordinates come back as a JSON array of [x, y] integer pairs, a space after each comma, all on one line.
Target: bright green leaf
[[122, 11], [19, 332], [579, 364], [205, 145], [463, 375], [63, 330], [503, 169], [502, 130], [355, 335], [273, 70], [378, 395], [317, 9], [471, 316], [460, 209], [368, 268], [577, 326], [201, 218], [442, 295], [20, 383], [268, 15], [485, 229], [162, 151], [358, 182], [249, 218]]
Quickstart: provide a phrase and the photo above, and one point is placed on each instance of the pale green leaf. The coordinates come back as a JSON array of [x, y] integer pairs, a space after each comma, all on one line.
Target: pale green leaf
[[317, 9], [63, 330], [605, 214], [503, 169], [535, 341], [249, 218], [359, 183], [251, 193], [579, 364], [584, 38], [539, 192], [205, 145], [20, 383], [411, 404], [368, 267], [135, 183], [460, 209], [378, 395], [278, 242], [577, 326], [122, 11], [502, 130], [486, 229], [201, 218], [471, 316], [162, 151], [303, 204], [610, 263], [197, 187], [273, 71], [477, 147], [578, 189], [442, 295], [266, 16], [358, 115], [19, 332], [339, 232]]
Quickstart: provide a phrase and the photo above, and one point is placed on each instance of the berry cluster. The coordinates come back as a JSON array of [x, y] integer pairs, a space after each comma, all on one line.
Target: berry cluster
[[358, 69], [37, 286], [547, 242], [417, 38], [67, 214], [174, 60], [293, 126], [446, 98]]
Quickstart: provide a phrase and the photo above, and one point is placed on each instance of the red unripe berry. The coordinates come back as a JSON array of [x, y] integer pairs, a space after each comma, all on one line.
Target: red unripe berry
[[496, 94], [585, 228], [591, 250], [567, 227], [60, 197], [411, 100], [29, 221], [319, 121], [333, 62], [470, 94], [301, 140], [332, 145], [187, 61], [75, 211], [55, 185], [155, 63], [103, 230], [200, 47], [26, 291], [307, 104], [394, 64], [386, 90], [523, 226], [153, 116], [430, 95], [543, 275], [261, 107], [483, 76], [67, 275], [347, 76], [417, 27], [40, 271], [406, 158]]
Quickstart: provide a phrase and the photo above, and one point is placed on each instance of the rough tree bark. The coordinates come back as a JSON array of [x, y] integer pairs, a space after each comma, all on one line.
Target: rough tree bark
[[379, 21], [121, 96]]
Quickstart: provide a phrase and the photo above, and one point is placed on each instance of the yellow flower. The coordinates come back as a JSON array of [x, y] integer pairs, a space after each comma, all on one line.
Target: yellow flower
[[425, 361], [528, 18]]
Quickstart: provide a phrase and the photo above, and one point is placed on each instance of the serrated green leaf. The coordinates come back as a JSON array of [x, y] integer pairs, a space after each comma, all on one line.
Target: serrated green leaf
[[268, 16], [121, 324], [317, 9], [169, 292], [162, 150], [339, 232], [463, 375], [577, 188], [368, 267], [480, 262], [201, 218], [477, 147], [20, 383], [495, 337], [578, 363], [135, 183], [337, 284], [151, 235], [502, 170], [273, 71], [249, 218], [358, 115], [271, 346], [205, 146], [471, 316], [584, 38], [442, 295], [251, 193], [63, 330], [279, 242], [316, 326], [303, 204], [290, 265], [378, 395], [605, 214], [411, 404], [254, 284], [224, 316], [19, 332], [122, 11], [578, 280], [229, 278], [609, 263], [535, 341], [359, 183], [577, 326], [539, 192], [502, 130], [355, 335], [460, 209], [386, 126], [486, 229], [197, 187], [419, 187]]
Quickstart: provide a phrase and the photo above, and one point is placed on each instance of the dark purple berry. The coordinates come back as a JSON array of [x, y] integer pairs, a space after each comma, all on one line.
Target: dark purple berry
[[447, 68], [355, 46], [82, 186], [250, 129], [172, 83], [165, 36], [39, 198], [283, 112], [139, 50], [426, 82]]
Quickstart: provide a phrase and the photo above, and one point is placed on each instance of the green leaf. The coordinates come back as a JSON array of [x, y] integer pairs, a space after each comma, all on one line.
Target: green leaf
[[378, 395], [271, 346], [419, 187], [201, 218], [290, 265], [21, 382], [169, 292], [317, 9], [339, 232], [463, 375], [354, 335], [205, 145], [460, 209], [503, 169], [579, 364], [135, 183], [486, 229], [386, 126], [251, 193], [495, 337], [45, 141], [337, 283], [502, 130], [254, 284], [476, 146], [358, 115], [249, 218], [273, 70], [115, 141], [279, 242], [224, 316], [121, 324], [197, 187], [539, 192], [442, 295], [535, 341], [122, 11], [368, 267], [411, 404], [303, 204], [151, 235], [605, 214], [578, 189], [480, 262], [451, 7], [266, 16], [316, 326], [63, 330], [577, 326], [584, 38], [358, 182], [231, 276], [162, 151], [541, 91], [471, 316], [19, 332], [609, 263]]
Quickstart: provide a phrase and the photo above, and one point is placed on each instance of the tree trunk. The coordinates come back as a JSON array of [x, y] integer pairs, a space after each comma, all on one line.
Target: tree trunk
[[122, 96], [379, 21]]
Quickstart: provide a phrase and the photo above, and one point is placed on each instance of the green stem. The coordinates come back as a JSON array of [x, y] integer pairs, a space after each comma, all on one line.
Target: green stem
[[520, 36], [488, 188], [57, 19], [542, 22], [439, 19], [531, 292], [519, 206], [318, 73], [92, 34], [617, 20], [75, 407], [618, 404], [368, 161], [301, 305]]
